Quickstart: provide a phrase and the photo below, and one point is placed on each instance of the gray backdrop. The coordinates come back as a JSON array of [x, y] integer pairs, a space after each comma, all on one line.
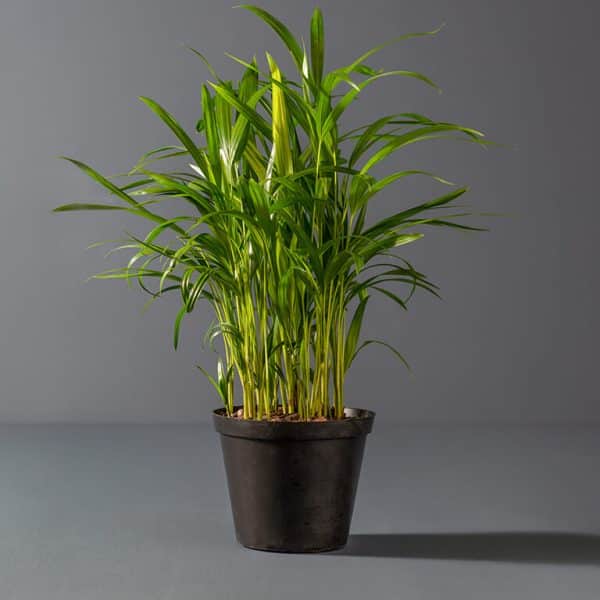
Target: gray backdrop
[[514, 338]]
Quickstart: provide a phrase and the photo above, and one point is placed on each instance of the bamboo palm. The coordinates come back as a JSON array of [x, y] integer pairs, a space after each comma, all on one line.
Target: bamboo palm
[[274, 234]]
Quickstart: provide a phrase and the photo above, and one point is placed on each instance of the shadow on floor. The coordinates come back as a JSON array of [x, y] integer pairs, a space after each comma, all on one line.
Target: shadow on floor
[[510, 547]]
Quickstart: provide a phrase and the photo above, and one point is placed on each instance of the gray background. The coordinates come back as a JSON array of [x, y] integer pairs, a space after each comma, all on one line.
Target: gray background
[[514, 339], [503, 507]]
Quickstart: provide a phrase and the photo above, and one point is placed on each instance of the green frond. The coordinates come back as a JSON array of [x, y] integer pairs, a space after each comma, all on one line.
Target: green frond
[[272, 228]]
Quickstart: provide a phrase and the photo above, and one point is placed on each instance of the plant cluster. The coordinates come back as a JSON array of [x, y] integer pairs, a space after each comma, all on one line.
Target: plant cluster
[[275, 236]]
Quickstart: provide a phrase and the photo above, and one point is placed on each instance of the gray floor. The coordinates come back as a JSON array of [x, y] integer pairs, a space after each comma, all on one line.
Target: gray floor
[[140, 512]]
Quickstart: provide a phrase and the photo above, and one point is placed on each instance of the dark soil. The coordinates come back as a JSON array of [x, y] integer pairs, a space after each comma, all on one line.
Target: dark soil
[[279, 416]]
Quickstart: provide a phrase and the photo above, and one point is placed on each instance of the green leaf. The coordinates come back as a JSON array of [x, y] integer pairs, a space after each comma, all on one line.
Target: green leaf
[[317, 45], [140, 209], [386, 345], [354, 331], [350, 96], [281, 134], [177, 326], [390, 223], [217, 385], [361, 59], [81, 206], [205, 61], [281, 30], [422, 133], [391, 295], [176, 128], [257, 120], [210, 126]]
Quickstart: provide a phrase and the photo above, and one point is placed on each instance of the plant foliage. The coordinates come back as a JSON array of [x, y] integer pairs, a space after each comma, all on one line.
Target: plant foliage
[[274, 234]]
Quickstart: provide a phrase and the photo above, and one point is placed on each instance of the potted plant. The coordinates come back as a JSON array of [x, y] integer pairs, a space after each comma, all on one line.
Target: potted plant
[[272, 232]]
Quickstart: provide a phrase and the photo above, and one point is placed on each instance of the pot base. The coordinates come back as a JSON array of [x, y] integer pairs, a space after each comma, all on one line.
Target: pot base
[[286, 551]]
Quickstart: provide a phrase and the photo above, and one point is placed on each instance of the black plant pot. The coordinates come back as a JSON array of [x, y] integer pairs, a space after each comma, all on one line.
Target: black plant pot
[[292, 484]]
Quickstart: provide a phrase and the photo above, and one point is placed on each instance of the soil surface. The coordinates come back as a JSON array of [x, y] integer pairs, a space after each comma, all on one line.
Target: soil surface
[[279, 416]]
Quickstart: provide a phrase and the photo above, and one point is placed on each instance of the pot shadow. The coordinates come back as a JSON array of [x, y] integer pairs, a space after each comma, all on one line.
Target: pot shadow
[[553, 548]]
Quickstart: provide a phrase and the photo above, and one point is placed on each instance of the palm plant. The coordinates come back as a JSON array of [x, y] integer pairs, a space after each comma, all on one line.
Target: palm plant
[[275, 235]]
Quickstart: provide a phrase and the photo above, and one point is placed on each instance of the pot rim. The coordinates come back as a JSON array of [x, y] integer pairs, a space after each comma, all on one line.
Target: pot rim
[[358, 422]]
